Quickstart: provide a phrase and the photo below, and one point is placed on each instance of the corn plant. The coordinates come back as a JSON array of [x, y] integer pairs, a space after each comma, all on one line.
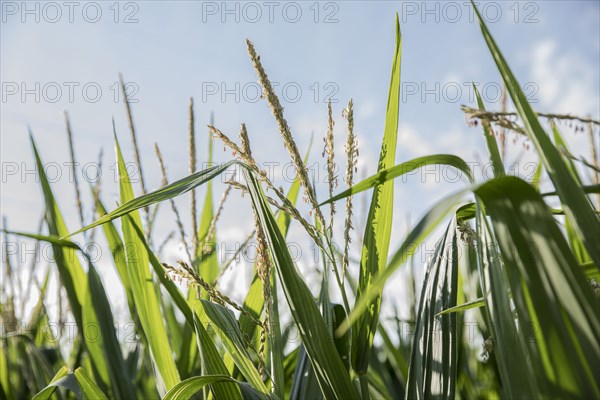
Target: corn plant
[[526, 270]]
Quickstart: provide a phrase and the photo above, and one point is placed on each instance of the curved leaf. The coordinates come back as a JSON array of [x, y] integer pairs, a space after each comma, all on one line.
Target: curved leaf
[[396, 171], [188, 388], [78, 382], [480, 302], [165, 193]]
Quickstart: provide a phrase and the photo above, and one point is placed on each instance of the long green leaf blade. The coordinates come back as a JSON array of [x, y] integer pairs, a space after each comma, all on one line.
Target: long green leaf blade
[[144, 293], [490, 139], [480, 302], [88, 387], [331, 374], [165, 193], [376, 239]]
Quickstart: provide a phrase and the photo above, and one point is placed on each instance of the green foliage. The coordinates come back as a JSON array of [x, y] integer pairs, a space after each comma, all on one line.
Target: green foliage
[[523, 269]]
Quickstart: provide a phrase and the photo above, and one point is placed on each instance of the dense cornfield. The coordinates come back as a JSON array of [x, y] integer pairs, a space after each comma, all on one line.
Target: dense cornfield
[[524, 262]]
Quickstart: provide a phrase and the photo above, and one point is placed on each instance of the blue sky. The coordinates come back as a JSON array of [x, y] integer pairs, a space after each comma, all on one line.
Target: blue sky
[[169, 51]]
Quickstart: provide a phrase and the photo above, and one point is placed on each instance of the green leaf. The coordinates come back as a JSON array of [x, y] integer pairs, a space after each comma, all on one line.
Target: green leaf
[[588, 189], [208, 266], [304, 380], [376, 239], [480, 302], [396, 171], [432, 371], [466, 212], [343, 343], [275, 340], [332, 377], [97, 305], [576, 205], [228, 330], [511, 355], [254, 302], [276, 344], [490, 139], [165, 193], [117, 251], [144, 293], [46, 238], [205, 261], [69, 272], [174, 292], [537, 176], [188, 388], [574, 240], [79, 382], [212, 363], [549, 290], [88, 387], [63, 378], [304, 383]]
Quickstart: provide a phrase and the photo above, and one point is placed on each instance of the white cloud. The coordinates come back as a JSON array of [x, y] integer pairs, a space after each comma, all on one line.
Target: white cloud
[[567, 83], [412, 142]]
